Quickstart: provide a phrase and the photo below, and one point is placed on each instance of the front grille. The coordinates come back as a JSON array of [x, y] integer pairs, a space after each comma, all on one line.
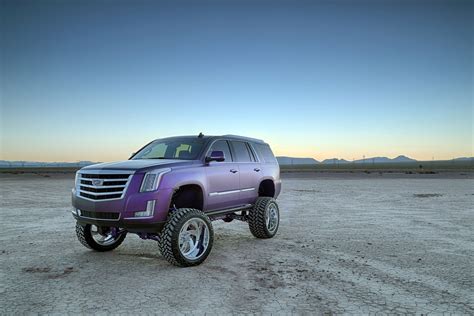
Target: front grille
[[104, 176], [100, 215], [102, 186], [89, 182]]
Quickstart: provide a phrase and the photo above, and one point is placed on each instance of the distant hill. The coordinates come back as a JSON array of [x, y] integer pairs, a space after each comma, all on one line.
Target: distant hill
[[398, 159], [334, 161], [282, 160], [36, 164], [471, 159]]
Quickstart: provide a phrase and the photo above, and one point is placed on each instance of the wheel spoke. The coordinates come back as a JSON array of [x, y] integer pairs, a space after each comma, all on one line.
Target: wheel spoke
[[103, 239], [194, 238], [271, 218]]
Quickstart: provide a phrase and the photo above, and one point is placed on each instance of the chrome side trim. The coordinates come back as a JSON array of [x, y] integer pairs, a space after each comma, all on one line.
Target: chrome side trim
[[223, 192], [248, 189], [230, 192]]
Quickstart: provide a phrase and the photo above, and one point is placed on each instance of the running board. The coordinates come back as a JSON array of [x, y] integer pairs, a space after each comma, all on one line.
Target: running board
[[229, 210]]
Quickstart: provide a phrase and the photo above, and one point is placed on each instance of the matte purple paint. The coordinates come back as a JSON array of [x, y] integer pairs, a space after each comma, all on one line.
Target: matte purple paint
[[224, 185]]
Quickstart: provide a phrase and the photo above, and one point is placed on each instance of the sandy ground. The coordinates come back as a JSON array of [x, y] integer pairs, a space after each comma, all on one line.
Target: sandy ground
[[346, 245]]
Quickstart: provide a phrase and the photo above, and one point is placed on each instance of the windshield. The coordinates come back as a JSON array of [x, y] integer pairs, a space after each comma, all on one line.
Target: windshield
[[187, 148]]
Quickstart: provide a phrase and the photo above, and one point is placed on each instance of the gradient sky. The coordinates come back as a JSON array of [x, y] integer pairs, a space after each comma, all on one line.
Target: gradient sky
[[96, 80]]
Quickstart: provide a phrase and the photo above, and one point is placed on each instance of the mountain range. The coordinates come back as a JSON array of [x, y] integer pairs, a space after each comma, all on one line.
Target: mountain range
[[282, 160], [32, 164]]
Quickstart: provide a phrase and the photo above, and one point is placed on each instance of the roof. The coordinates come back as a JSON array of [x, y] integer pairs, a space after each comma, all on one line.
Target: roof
[[229, 136], [255, 140]]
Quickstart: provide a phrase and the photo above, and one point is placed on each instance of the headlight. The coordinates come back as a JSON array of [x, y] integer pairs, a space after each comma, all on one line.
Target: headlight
[[76, 183], [152, 179]]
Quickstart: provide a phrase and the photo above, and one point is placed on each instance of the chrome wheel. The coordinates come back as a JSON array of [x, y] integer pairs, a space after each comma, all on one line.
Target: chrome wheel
[[102, 239], [193, 238], [272, 217]]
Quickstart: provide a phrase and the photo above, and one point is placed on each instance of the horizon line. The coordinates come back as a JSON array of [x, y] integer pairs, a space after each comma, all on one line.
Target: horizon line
[[292, 157]]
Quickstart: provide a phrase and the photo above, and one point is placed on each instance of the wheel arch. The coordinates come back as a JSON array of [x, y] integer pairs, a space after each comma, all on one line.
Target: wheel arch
[[267, 188], [188, 195]]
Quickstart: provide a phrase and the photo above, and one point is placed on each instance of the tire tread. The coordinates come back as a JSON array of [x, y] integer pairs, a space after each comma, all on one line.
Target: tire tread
[[170, 234], [257, 224], [85, 238]]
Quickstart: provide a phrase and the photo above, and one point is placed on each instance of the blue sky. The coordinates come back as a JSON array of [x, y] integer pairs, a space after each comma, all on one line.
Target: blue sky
[[95, 80]]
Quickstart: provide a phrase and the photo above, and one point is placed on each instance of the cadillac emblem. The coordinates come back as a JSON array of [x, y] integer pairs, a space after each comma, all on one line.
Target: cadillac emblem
[[97, 182]]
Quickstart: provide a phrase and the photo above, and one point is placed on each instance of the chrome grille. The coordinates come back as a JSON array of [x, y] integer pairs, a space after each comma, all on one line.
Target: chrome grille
[[102, 185]]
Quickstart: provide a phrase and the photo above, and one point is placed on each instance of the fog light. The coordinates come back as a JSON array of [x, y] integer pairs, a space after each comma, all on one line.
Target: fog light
[[74, 211], [150, 210]]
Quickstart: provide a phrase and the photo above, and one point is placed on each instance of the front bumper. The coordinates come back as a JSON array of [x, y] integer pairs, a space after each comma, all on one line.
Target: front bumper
[[133, 226], [126, 207]]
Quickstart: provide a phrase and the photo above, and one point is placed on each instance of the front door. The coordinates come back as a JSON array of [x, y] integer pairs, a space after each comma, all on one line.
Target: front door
[[222, 179]]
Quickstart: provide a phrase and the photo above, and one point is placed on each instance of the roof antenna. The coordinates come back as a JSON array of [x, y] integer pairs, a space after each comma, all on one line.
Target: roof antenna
[[201, 135]]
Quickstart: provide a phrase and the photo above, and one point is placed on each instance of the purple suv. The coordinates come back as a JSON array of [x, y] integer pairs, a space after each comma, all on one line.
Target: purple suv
[[171, 190]]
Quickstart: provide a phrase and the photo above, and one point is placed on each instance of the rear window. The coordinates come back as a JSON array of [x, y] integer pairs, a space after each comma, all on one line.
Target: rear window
[[265, 153], [241, 151]]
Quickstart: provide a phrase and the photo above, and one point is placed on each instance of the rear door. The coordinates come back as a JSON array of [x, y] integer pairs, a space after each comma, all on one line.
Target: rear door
[[249, 170], [222, 179]]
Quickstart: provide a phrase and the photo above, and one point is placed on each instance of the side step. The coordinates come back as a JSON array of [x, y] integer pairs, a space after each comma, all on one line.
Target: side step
[[229, 210]]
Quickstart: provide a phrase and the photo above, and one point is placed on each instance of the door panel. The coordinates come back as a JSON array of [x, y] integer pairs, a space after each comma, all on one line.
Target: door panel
[[222, 186], [249, 181], [249, 170], [223, 179]]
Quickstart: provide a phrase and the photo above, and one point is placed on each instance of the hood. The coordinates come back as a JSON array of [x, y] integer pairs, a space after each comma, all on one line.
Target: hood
[[139, 164]]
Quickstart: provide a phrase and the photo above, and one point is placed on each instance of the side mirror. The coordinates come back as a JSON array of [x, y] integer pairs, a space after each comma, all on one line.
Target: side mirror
[[216, 155]]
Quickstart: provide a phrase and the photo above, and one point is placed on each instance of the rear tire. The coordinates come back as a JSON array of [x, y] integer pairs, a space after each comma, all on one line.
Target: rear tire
[[264, 218], [92, 239], [187, 237]]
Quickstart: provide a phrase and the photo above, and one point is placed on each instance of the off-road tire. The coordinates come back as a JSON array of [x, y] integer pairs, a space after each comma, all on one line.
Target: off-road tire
[[84, 235], [168, 242], [256, 218]]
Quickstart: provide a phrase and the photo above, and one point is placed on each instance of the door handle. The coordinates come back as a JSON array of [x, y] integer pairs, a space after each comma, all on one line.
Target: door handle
[[233, 170], [256, 169]]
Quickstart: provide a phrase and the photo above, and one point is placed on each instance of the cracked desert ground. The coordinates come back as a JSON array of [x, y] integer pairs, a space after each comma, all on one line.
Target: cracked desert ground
[[346, 244]]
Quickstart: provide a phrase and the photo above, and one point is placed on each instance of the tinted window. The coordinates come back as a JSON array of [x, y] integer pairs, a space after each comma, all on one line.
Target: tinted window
[[265, 153], [223, 146], [241, 152]]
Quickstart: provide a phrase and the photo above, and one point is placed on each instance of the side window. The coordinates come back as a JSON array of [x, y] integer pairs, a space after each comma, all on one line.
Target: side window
[[223, 146], [253, 154], [265, 152], [241, 152]]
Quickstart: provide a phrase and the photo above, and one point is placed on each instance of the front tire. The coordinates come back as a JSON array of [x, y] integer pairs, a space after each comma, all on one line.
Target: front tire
[[264, 218], [99, 238], [186, 239]]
